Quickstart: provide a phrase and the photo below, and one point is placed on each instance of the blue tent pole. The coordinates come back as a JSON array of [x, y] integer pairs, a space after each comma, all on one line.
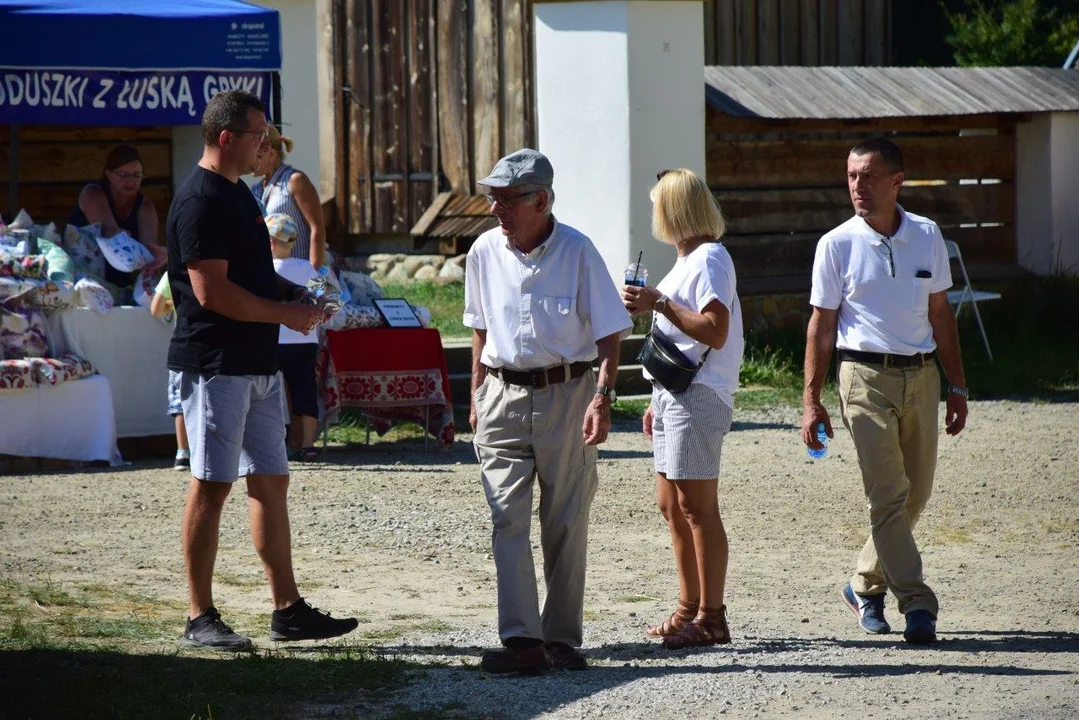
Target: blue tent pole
[[275, 99], [13, 171]]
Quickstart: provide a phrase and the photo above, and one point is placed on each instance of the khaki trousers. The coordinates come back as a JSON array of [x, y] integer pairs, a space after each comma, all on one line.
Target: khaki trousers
[[525, 434], [891, 414]]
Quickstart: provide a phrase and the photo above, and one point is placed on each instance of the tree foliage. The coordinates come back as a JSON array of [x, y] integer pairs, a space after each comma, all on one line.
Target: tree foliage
[[1011, 33]]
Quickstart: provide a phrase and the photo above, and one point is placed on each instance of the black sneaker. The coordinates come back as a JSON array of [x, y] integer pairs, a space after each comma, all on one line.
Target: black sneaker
[[182, 463], [564, 657], [300, 621], [209, 631]]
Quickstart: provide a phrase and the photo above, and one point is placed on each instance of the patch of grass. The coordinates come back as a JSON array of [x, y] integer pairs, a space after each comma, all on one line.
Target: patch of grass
[[80, 680], [99, 653], [52, 594], [241, 581], [629, 409], [352, 430], [392, 631], [446, 303]]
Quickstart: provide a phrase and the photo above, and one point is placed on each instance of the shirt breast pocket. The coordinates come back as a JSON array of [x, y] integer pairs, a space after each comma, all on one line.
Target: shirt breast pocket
[[556, 319], [920, 295]]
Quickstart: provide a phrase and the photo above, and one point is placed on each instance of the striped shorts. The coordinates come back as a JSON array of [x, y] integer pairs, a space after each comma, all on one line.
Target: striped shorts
[[687, 432]]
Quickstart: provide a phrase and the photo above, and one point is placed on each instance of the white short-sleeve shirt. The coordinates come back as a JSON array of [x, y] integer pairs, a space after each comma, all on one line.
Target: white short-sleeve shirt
[[706, 274], [300, 272], [542, 309], [882, 296]]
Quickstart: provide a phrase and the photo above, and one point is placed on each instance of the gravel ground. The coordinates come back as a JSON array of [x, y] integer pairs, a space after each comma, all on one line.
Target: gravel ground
[[401, 538]]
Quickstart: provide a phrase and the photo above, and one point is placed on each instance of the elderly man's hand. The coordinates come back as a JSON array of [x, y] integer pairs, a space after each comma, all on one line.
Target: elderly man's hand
[[597, 420]]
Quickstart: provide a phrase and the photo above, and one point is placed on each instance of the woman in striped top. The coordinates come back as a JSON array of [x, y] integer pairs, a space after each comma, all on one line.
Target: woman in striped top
[[284, 189]]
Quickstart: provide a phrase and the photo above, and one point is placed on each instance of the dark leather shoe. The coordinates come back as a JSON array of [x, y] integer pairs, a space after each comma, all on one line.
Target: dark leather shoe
[[564, 657], [921, 627], [525, 661]]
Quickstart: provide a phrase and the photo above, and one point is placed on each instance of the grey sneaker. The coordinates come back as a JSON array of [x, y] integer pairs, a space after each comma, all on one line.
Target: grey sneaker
[[209, 631], [869, 609]]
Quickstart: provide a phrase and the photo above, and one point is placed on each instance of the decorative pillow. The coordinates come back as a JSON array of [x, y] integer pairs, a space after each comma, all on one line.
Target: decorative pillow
[[23, 331], [30, 266], [11, 287], [94, 296], [46, 232], [81, 246], [350, 317], [58, 263], [361, 287], [146, 284], [124, 252], [22, 221], [54, 295], [16, 375], [53, 371]]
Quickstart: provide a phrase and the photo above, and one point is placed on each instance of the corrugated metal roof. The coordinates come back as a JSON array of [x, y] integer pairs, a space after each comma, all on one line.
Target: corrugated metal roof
[[869, 92]]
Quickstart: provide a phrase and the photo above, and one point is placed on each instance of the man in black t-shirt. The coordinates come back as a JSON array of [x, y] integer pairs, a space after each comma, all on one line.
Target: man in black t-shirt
[[229, 306]]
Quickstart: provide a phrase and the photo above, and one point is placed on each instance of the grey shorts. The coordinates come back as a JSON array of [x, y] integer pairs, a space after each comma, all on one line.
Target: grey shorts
[[687, 432], [175, 407], [234, 425]]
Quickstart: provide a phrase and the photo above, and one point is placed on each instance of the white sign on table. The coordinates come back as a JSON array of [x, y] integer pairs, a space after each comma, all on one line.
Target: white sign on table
[[398, 313]]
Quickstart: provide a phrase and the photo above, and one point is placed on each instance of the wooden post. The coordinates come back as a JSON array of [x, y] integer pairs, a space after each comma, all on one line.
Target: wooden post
[[453, 105], [486, 108]]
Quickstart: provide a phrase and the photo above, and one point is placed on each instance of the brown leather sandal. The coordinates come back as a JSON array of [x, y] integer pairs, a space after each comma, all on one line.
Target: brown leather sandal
[[708, 628], [679, 619]]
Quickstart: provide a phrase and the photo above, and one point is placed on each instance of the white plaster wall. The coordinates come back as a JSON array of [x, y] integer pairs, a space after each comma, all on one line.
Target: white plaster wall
[[582, 110], [619, 96], [1064, 151], [299, 93], [1034, 206], [666, 70]]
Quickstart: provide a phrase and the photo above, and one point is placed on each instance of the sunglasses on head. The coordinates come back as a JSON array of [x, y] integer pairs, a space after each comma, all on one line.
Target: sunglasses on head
[[661, 173]]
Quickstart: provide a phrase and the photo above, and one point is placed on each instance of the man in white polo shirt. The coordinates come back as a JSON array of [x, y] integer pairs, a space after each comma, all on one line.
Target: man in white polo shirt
[[879, 283], [542, 306]]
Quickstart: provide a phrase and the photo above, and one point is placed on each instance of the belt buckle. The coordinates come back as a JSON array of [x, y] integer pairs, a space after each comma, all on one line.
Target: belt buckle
[[539, 379]]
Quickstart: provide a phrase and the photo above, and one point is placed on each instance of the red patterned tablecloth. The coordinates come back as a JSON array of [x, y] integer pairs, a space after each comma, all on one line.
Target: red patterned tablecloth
[[393, 374]]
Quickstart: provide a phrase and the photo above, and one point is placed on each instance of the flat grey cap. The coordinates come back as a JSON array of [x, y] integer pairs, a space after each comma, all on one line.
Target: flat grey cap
[[524, 167]]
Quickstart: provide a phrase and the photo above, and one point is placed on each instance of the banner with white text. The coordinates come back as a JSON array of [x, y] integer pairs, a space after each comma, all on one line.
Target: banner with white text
[[114, 98]]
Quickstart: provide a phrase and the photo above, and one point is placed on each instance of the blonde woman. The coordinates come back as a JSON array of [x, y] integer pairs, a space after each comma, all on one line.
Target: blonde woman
[[696, 308], [284, 189]]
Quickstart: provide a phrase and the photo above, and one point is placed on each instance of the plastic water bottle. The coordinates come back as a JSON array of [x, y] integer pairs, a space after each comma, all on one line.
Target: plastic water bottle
[[822, 436], [322, 294]]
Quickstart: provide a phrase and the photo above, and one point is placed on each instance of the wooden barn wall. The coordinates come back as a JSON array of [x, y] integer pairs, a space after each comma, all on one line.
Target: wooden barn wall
[[782, 184], [438, 90], [56, 161]]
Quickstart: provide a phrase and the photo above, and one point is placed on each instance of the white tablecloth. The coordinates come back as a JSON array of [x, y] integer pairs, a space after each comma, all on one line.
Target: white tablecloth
[[128, 346], [69, 421]]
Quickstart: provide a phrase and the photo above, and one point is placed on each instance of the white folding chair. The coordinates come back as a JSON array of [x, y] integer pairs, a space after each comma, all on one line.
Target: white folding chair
[[967, 293]]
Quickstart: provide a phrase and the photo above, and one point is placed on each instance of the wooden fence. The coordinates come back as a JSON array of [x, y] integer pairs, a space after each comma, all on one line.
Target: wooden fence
[[438, 90], [781, 195]]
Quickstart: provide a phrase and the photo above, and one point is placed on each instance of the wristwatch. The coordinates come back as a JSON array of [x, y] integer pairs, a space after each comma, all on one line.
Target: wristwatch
[[661, 304], [607, 392], [960, 391]]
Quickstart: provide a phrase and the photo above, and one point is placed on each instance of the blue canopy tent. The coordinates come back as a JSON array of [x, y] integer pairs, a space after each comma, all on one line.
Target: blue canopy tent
[[131, 62]]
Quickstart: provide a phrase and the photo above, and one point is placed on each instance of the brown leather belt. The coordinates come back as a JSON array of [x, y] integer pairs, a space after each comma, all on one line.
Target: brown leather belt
[[887, 360], [541, 378]]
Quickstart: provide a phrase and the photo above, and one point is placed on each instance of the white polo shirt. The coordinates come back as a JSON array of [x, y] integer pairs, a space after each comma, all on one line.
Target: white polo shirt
[[546, 308], [883, 303]]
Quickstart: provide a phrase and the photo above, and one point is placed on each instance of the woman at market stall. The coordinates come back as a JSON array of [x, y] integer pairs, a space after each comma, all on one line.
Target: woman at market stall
[[115, 202], [284, 189]]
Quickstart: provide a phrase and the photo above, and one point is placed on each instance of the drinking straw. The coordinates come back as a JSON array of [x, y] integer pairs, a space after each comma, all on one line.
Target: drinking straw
[[638, 270]]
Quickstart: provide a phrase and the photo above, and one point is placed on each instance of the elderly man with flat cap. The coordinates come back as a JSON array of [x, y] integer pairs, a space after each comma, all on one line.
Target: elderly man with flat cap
[[542, 307]]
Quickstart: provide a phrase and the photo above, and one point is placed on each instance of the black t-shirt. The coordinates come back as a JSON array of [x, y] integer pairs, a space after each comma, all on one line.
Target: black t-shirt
[[212, 218]]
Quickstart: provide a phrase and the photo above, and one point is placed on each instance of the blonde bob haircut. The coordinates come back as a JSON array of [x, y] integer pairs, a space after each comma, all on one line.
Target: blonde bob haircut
[[683, 207]]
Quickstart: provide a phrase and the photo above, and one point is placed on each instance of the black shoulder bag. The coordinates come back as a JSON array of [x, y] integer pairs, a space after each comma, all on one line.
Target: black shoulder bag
[[668, 365]]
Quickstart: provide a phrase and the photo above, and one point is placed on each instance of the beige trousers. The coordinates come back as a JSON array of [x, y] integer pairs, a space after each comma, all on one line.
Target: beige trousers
[[891, 414], [525, 434]]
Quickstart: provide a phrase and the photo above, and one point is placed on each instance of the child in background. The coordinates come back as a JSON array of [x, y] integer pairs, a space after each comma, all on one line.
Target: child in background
[[296, 353], [161, 307]]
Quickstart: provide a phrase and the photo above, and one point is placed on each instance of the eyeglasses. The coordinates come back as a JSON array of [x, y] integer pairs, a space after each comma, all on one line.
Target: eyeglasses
[[260, 134], [136, 176], [507, 201]]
